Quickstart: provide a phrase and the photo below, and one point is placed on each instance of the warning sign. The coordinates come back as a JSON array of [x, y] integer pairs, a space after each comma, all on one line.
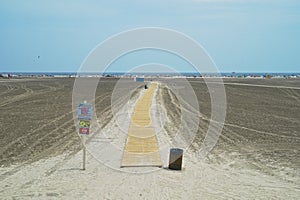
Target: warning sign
[[84, 116], [85, 131], [85, 111], [84, 124]]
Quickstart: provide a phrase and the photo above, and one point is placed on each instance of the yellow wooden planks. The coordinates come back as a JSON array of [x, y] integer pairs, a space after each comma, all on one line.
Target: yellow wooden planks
[[141, 147]]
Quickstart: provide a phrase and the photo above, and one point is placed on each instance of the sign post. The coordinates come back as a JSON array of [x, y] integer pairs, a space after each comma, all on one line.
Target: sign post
[[84, 117], [83, 153]]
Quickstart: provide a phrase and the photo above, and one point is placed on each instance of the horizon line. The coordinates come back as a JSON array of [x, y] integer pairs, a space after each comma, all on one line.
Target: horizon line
[[124, 72]]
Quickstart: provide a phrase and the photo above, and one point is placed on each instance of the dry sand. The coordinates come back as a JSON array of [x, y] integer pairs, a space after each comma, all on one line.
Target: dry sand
[[257, 156]]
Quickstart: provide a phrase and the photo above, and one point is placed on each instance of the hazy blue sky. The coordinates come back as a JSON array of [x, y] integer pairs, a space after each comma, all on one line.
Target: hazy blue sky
[[240, 35]]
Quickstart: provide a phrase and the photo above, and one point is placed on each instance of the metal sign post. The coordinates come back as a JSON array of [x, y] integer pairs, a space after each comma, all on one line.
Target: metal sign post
[[84, 117]]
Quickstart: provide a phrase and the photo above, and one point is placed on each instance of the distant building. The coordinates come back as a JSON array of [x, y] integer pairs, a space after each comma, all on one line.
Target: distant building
[[139, 79]]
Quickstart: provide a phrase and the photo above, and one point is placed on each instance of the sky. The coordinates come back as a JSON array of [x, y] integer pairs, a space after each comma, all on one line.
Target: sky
[[239, 35]]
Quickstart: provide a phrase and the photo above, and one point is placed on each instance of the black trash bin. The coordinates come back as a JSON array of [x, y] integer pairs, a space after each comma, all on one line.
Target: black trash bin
[[175, 159]]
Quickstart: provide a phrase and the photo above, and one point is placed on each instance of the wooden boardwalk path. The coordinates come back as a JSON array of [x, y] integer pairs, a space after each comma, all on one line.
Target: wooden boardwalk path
[[141, 147]]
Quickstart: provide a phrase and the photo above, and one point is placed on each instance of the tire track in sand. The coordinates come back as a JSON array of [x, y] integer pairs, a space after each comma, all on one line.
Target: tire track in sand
[[10, 88], [4, 148], [291, 93], [48, 151]]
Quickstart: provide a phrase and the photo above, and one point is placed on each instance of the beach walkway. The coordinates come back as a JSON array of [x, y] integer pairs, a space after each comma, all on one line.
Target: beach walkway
[[141, 147]]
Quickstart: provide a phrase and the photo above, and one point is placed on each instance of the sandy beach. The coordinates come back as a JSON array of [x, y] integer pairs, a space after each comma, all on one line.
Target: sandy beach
[[256, 157]]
